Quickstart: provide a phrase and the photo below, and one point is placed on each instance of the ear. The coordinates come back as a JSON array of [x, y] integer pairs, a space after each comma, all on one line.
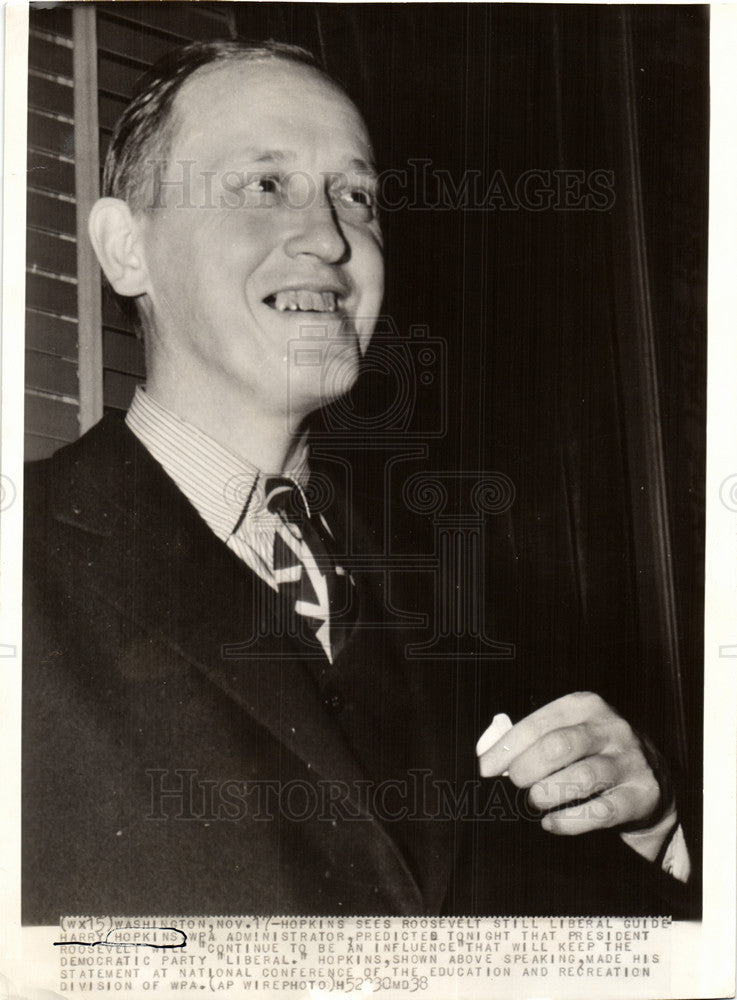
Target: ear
[[117, 241]]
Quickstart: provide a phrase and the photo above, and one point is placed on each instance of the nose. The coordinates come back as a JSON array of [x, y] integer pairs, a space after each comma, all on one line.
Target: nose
[[317, 232]]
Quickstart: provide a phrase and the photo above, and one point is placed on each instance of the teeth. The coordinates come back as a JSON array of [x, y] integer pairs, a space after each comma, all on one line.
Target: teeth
[[303, 300]]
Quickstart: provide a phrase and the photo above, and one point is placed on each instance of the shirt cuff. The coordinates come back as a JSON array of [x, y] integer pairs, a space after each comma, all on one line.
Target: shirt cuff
[[676, 861], [667, 834]]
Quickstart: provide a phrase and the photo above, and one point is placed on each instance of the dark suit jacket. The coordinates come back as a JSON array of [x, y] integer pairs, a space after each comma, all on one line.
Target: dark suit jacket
[[184, 753]]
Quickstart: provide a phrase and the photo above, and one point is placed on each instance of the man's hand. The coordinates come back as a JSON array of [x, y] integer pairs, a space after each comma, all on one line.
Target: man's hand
[[573, 749]]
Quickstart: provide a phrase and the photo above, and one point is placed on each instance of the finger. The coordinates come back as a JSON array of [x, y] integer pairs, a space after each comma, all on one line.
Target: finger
[[614, 807], [553, 752], [582, 780], [500, 726], [566, 711]]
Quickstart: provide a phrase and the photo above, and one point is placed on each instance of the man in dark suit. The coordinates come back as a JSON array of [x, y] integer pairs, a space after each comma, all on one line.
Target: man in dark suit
[[218, 712]]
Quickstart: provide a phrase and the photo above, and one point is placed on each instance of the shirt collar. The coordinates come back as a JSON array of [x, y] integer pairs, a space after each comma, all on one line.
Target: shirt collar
[[216, 481]]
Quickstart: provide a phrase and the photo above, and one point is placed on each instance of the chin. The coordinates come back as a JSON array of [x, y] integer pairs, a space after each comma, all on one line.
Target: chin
[[319, 373], [304, 401], [340, 370]]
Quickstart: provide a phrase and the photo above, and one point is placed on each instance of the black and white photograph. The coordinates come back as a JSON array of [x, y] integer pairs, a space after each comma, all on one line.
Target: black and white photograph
[[361, 517]]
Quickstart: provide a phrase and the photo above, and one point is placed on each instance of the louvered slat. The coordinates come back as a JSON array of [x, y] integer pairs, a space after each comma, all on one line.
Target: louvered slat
[[109, 110], [49, 252], [50, 417], [113, 317], [45, 53], [51, 334], [50, 95], [47, 212], [52, 374], [130, 37], [36, 446], [127, 40], [51, 134], [50, 173], [52, 20], [123, 353], [183, 21], [119, 389], [45, 291], [117, 77]]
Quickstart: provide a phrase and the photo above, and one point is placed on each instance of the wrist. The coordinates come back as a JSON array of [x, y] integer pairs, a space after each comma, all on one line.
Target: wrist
[[665, 806]]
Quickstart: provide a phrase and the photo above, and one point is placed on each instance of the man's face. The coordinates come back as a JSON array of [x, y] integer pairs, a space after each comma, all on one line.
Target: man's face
[[266, 235]]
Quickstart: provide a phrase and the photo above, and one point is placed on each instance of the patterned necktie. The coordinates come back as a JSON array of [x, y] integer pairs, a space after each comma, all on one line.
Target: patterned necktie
[[284, 497]]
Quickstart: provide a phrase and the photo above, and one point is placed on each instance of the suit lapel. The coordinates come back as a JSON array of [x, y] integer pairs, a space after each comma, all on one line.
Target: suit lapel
[[158, 563]]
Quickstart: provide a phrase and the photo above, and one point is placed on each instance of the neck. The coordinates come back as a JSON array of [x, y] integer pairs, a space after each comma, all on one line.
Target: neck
[[265, 439]]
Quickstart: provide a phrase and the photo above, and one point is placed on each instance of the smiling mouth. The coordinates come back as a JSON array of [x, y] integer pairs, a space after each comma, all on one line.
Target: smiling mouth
[[303, 300]]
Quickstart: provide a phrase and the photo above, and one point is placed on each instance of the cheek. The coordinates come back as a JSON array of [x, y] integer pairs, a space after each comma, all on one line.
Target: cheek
[[170, 267], [191, 249], [369, 270], [377, 265]]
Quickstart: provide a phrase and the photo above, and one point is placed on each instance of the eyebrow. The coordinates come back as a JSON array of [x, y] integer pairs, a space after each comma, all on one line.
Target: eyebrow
[[362, 166], [267, 155], [256, 154]]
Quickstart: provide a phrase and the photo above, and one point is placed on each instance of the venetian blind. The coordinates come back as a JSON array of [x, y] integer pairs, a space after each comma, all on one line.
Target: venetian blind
[[130, 37]]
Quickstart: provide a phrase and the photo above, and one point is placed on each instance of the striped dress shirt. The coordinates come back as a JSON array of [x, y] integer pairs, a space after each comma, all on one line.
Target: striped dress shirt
[[228, 493]]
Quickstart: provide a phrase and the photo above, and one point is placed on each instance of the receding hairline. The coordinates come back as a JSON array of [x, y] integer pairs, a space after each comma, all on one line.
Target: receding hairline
[[261, 58], [259, 62], [178, 109], [175, 116]]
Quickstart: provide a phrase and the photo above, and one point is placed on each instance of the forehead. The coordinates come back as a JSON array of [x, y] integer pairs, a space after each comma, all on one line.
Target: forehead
[[266, 103]]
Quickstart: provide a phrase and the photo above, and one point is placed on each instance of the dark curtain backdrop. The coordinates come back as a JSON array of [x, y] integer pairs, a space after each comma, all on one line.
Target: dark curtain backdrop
[[575, 335]]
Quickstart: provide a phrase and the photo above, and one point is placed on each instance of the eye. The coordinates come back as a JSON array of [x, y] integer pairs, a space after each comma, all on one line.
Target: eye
[[355, 202], [357, 196], [263, 183]]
